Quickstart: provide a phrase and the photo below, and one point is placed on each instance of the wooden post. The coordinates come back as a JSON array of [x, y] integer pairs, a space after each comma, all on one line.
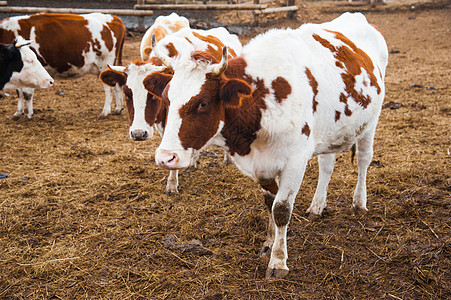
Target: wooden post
[[291, 14], [256, 19], [3, 3]]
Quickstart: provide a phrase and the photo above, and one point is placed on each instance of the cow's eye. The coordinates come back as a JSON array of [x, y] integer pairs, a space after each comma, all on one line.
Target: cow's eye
[[202, 105]]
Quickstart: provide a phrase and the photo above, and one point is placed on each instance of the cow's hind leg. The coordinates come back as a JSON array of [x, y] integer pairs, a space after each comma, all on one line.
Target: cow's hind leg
[[108, 99], [364, 156], [119, 99], [326, 164]]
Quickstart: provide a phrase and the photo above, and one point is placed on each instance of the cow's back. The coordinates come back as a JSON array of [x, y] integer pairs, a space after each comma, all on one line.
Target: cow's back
[[331, 76]]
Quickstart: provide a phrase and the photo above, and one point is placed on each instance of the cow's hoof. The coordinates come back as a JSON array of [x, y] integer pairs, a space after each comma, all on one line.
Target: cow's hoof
[[16, 117], [358, 210], [265, 251], [276, 273], [171, 192], [102, 116], [117, 112], [313, 217]]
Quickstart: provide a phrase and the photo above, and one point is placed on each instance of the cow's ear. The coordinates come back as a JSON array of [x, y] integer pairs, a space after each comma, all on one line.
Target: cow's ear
[[111, 77], [156, 82], [233, 90], [5, 52]]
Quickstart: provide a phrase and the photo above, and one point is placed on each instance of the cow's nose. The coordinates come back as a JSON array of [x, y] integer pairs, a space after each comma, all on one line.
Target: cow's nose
[[139, 135], [51, 83], [167, 159]]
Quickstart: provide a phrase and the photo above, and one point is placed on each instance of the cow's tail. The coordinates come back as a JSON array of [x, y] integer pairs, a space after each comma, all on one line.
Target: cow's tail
[[120, 46], [353, 150]]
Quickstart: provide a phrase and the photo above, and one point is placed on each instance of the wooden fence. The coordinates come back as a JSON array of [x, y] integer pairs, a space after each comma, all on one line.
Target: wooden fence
[[143, 8]]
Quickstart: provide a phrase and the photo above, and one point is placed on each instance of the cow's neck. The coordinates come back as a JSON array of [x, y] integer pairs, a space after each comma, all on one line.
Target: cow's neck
[[241, 124]]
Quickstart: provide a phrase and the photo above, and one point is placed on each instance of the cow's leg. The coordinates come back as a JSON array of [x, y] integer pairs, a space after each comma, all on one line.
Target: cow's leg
[[28, 95], [326, 164], [20, 105], [108, 98], [270, 188], [227, 159], [364, 156], [119, 99], [290, 181], [173, 182], [24, 94]]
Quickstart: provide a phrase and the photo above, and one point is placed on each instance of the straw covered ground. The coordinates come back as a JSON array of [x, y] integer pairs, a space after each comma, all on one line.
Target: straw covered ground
[[83, 214]]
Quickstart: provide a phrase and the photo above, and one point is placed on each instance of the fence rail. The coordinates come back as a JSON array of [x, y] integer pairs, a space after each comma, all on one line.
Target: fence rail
[[32, 10]]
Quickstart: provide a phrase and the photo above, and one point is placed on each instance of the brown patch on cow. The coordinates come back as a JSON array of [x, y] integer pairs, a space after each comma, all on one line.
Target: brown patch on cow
[[6, 36], [269, 185], [119, 31], [153, 108], [337, 115], [160, 32], [107, 38], [282, 213], [212, 40], [306, 130], [155, 61], [314, 84], [352, 59], [176, 26], [129, 103], [281, 89], [171, 49], [199, 123], [344, 100]]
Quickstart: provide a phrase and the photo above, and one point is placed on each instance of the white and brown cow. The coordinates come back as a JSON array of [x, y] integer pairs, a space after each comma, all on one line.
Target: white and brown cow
[[69, 46], [163, 26], [148, 110], [21, 68], [293, 94]]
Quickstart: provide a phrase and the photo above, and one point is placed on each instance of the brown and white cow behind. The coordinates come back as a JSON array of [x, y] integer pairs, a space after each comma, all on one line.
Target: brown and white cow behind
[[293, 94], [162, 27], [148, 110], [69, 46]]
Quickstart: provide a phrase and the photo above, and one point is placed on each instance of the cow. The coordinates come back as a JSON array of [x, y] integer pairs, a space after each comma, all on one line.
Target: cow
[[21, 68], [69, 46], [147, 110], [292, 94], [163, 26]]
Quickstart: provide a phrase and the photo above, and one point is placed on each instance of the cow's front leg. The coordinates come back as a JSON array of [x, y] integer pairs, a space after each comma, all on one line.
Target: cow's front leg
[[20, 105], [108, 99], [290, 182], [119, 99], [173, 182]]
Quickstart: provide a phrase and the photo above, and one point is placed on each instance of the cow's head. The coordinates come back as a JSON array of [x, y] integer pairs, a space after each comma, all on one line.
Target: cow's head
[[199, 93], [21, 67], [143, 108]]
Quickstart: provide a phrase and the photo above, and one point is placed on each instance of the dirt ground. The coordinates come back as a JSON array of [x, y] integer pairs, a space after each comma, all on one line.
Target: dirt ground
[[83, 214]]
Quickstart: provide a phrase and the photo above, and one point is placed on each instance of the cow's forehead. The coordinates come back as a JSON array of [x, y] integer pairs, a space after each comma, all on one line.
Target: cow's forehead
[[189, 77]]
